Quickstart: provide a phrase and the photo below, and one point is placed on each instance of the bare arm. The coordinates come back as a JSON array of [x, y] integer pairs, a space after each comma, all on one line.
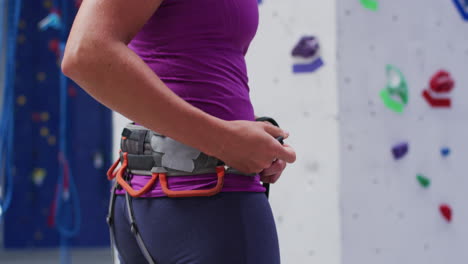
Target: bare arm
[[98, 59]]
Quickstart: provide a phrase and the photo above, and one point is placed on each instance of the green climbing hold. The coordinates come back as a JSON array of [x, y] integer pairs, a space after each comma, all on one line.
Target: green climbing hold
[[395, 94], [425, 182], [370, 4]]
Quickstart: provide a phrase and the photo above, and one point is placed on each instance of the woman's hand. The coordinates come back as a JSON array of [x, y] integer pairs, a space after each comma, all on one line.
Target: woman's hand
[[251, 147], [273, 173]]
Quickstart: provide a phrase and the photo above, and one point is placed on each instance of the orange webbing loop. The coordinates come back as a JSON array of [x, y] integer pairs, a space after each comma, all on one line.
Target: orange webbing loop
[[127, 187], [220, 171], [110, 173]]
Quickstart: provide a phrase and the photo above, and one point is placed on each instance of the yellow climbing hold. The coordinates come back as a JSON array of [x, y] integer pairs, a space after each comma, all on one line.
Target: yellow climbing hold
[[47, 4], [38, 175], [45, 116], [52, 140], [41, 76], [44, 131], [21, 100]]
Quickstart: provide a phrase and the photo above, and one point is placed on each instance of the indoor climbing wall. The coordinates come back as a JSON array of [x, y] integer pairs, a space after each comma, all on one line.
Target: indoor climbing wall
[[403, 92], [32, 219], [292, 73]]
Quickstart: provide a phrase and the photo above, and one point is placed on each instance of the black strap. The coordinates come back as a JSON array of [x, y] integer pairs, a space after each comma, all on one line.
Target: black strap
[[135, 231], [268, 119], [110, 219], [280, 139]]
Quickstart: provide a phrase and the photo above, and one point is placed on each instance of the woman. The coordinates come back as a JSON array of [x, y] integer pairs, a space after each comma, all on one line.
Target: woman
[[177, 67]]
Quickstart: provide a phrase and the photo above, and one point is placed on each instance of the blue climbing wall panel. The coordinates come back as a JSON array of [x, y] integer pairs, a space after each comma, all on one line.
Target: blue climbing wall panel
[[29, 223]]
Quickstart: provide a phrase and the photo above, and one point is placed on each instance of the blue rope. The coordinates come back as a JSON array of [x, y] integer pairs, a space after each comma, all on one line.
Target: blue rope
[[7, 118], [67, 207]]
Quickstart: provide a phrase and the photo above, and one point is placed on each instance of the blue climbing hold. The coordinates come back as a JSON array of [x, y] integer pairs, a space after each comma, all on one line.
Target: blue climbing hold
[[400, 150], [53, 20], [445, 151]]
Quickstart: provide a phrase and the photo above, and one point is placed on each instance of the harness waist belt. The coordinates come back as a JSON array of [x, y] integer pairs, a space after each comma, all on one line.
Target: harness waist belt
[[145, 152], [149, 152]]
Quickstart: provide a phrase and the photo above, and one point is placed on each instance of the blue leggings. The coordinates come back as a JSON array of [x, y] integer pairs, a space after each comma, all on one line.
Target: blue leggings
[[228, 228]]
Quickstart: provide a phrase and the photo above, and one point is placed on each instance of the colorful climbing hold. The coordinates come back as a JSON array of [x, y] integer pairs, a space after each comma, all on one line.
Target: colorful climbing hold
[[307, 50], [52, 20], [423, 180], [307, 47], [54, 46], [441, 84], [47, 4], [38, 175], [309, 67], [40, 76], [21, 100], [44, 131], [445, 151], [52, 140], [72, 91], [36, 117], [395, 94], [370, 4], [446, 212], [45, 116], [400, 150]]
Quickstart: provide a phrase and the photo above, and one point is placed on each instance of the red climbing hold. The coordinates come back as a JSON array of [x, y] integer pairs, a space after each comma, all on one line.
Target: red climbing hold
[[72, 91], [441, 83], [54, 45], [36, 117], [446, 212]]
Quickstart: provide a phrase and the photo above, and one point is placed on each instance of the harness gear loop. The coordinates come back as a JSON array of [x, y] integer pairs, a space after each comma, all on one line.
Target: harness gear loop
[[123, 183], [111, 172], [220, 172]]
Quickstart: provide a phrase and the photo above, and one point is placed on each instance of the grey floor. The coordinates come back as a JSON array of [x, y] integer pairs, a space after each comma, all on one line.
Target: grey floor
[[51, 256]]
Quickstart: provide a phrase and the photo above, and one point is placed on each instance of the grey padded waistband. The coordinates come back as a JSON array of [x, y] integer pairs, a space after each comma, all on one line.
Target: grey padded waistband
[[149, 152]]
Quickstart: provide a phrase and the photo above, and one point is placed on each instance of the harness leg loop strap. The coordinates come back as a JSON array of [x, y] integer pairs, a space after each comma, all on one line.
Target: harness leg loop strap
[[110, 219], [135, 231]]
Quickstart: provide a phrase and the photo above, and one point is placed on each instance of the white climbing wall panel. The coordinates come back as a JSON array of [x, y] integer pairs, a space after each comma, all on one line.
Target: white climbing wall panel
[[387, 216], [305, 200]]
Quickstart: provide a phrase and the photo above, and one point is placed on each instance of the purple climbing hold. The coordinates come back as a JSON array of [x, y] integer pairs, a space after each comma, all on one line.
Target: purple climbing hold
[[400, 150], [307, 47]]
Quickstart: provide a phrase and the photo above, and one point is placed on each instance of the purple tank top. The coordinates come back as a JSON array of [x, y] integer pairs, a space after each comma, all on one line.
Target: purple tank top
[[197, 48]]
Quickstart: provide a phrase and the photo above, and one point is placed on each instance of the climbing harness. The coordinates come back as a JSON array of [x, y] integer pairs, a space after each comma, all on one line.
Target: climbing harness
[[145, 152]]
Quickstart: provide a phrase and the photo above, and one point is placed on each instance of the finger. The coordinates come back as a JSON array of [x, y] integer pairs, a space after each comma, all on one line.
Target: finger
[[276, 167], [275, 131], [271, 179], [287, 154]]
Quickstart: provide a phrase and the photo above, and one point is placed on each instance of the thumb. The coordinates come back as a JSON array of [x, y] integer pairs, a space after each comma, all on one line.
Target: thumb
[[287, 154]]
